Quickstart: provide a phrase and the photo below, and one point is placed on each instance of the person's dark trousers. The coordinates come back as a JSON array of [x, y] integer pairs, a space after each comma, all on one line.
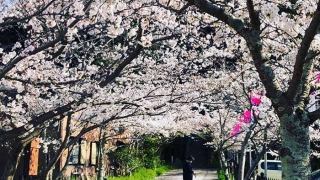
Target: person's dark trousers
[[187, 171]]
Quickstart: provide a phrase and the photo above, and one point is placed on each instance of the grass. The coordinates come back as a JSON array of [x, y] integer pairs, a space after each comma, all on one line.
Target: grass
[[221, 175], [144, 174]]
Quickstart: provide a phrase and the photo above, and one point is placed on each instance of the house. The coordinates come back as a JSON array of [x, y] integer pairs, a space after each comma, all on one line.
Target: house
[[84, 158], [81, 160]]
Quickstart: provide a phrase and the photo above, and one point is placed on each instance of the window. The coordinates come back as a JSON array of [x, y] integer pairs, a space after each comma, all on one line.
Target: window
[[78, 153], [94, 153], [272, 166], [74, 154]]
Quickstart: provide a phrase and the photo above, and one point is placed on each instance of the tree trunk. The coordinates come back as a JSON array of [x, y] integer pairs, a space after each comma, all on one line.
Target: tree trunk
[[242, 158], [46, 173], [255, 163], [295, 151], [14, 156], [223, 164], [101, 171], [242, 161]]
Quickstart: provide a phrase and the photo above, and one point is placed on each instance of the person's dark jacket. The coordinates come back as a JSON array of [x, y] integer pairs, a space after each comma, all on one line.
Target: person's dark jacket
[[187, 171]]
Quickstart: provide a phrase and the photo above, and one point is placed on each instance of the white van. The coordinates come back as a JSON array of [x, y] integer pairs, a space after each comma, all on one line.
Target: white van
[[273, 169]]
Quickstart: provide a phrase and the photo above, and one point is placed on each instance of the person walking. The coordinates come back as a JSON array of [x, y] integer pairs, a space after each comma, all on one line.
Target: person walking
[[187, 169]]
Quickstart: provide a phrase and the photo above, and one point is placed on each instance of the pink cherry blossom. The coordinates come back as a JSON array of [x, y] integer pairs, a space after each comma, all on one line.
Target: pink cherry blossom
[[241, 120], [236, 130], [255, 98], [247, 116], [317, 78]]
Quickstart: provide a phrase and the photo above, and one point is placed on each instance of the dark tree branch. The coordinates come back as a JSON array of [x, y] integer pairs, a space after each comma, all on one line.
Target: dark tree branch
[[134, 54], [60, 37], [254, 16], [34, 134], [178, 11], [60, 50], [13, 62], [255, 162], [301, 56], [215, 11], [305, 86], [6, 23], [164, 38], [254, 43], [40, 120], [25, 81], [312, 55], [59, 152], [314, 116]]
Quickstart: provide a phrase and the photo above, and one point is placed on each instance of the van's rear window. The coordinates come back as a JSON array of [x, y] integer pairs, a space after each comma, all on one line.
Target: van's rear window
[[272, 166]]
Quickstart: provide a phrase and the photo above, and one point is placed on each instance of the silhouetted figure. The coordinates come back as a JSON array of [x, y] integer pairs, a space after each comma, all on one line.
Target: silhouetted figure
[[261, 177], [187, 169]]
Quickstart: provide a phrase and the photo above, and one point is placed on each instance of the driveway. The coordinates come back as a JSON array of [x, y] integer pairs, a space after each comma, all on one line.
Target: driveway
[[201, 174]]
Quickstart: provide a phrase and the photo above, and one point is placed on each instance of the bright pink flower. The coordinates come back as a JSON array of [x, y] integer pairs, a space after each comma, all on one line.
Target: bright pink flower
[[255, 98], [317, 78], [236, 130], [247, 116]]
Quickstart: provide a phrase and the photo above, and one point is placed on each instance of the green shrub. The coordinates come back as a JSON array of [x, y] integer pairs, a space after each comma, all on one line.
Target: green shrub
[[144, 174], [143, 154], [161, 170], [221, 175]]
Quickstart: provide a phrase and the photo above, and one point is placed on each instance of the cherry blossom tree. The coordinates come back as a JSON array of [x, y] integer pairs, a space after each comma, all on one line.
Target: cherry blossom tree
[[62, 59], [114, 58], [280, 38], [241, 118], [55, 31]]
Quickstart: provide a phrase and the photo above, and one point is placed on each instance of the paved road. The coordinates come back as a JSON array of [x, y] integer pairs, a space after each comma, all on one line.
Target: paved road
[[201, 174]]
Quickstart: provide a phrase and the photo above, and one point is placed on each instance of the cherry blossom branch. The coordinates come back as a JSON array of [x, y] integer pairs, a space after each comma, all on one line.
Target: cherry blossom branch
[[165, 38], [118, 102], [41, 119], [60, 50], [60, 36], [213, 10], [134, 54], [254, 16], [13, 62], [119, 69], [305, 89], [42, 83], [312, 55], [264, 69], [254, 43], [30, 137], [27, 17], [314, 116], [178, 11], [298, 74], [58, 153]]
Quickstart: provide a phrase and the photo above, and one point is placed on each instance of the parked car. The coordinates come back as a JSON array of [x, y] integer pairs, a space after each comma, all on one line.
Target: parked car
[[315, 175], [273, 170]]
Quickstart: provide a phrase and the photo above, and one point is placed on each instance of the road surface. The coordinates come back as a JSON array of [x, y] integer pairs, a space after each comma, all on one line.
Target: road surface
[[201, 174]]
